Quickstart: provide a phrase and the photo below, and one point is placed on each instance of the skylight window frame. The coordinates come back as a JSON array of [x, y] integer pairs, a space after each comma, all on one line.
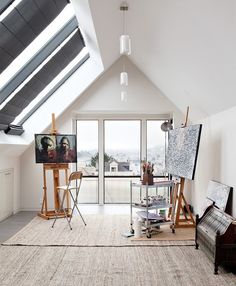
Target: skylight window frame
[[42, 64], [20, 120], [71, 58], [4, 5], [9, 8], [9, 80]]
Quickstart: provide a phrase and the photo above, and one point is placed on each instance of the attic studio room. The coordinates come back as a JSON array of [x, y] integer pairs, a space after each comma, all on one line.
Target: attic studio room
[[117, 163]]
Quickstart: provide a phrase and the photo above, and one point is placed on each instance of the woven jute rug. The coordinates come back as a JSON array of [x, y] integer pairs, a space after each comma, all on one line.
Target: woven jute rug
[[109, 266], [165, 234], [101, 230], [98, 254]]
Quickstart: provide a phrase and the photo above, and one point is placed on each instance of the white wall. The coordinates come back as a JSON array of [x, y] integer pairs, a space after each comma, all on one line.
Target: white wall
[[103, 97], [143, 96], [12, 162], [217, 155]]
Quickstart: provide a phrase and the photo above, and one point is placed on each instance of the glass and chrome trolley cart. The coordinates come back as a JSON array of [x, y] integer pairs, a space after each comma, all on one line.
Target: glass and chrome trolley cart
[[152, 204]]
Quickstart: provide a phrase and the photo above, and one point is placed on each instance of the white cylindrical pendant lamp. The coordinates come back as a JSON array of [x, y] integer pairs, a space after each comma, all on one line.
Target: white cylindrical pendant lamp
[[125, 45], [124, 96], [124, 78]]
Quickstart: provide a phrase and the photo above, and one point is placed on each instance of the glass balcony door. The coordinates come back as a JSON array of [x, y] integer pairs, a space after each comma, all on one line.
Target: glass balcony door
[[156, 146], [87, 159], [122, 153], [110, 152]]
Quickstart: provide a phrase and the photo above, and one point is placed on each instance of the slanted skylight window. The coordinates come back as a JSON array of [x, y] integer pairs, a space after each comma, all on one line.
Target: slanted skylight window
[[35, 46], [37, 70], [22, 23], [42, 96], [34, 65], [9, 9]]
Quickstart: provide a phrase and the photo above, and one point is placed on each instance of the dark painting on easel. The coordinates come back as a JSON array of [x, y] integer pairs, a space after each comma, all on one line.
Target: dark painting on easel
[[58, 148], [182, 151]]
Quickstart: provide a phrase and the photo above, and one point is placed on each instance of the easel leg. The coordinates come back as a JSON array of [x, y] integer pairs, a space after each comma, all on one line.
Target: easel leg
[[43, 203], [44, 208], [184, 222], [174, 201], [67, 196], [178, 205], [188, 210]]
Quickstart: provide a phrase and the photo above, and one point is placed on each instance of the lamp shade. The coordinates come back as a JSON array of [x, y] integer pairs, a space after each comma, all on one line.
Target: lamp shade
[[125, 45], [124, 78], [124, 96], [166, 126]]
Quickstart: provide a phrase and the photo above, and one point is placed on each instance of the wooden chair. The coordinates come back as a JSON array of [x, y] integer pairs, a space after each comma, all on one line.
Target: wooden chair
[[72, 188]]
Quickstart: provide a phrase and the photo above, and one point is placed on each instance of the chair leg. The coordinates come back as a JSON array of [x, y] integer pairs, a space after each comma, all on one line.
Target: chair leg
[[67, 219], [57, 211], [72, 210], [76, 206], [54, 220], [63, 199], [62, 209], [80, 214]]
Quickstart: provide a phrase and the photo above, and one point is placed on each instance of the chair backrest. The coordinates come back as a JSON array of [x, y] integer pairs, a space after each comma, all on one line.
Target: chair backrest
[[75, 176]]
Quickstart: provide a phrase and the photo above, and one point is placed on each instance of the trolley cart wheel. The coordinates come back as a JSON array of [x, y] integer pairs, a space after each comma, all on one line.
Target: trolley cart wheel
[[172, 228], [148, 234]]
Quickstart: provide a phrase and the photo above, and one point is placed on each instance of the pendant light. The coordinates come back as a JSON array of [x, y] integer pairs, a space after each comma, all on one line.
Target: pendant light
[[124, 78], [125, 41], [124, 96], [125, 50]]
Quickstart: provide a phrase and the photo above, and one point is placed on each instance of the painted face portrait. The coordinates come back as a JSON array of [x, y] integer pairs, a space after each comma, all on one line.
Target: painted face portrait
[[47, 143], [64, 144], [55, 148]]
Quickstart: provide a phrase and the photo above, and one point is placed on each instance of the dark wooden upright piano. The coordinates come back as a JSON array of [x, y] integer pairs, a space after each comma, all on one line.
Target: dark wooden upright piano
[[216, 235]]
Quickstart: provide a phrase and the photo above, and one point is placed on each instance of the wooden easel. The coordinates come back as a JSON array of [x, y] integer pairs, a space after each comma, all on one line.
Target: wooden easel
[[56, 168], [179, 202]]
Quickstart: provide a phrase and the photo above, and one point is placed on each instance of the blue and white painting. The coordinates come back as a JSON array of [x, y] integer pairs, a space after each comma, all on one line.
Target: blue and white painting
[[217, 193], [182, 151]]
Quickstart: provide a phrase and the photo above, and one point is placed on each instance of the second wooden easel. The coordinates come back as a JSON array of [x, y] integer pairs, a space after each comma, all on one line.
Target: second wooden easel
[[180, 205], [55, 168]]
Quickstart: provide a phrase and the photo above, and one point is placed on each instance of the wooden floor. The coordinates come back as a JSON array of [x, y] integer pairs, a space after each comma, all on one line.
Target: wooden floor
[[14, 223]]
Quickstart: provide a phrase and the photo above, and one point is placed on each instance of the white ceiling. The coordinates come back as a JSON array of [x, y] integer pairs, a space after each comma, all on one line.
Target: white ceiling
[[185, 47]]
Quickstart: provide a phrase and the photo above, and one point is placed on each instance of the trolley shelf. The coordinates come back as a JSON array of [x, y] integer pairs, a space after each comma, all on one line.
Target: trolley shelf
[[153, 206], [149, 203]]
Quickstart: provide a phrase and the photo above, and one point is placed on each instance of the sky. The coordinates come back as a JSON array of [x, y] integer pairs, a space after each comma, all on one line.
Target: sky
[[118, 134]]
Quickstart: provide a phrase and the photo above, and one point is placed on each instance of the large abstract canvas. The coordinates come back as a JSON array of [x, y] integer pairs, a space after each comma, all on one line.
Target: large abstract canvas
[[182, 151]]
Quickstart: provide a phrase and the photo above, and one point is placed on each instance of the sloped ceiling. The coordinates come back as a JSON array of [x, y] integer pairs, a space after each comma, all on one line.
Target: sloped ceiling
[[185, 47], [65, 95]]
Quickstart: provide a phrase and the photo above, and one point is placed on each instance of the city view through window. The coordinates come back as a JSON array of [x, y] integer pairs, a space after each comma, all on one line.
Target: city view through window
[[122, 155]]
